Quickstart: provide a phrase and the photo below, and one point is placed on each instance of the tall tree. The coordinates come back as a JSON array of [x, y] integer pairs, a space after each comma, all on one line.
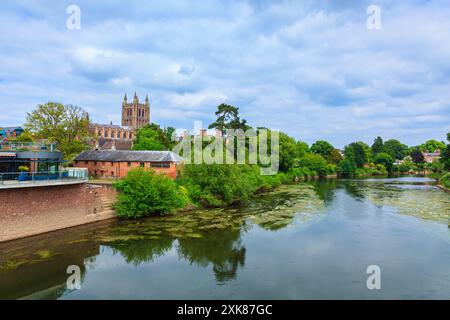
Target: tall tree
[[395, 149], [432, 145], [67, 125], [228, 118], [324, 148], [377, 146], [386, 160], [358, 152], [445, 156]]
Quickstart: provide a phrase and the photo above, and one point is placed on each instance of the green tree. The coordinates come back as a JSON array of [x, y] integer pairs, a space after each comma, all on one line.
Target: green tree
[[67, 125], [323, 148], [335, 157], [151, 137], [357, 152], [432, 145], [289, 150], [395, 149], [228, 118], [377, 146], [314, 162], [386, 160], [143, 192], [445, 155], [346, 168], [25, 136]]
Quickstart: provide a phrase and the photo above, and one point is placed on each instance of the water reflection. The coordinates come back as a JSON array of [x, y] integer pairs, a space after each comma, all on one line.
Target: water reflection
[[225, 243]]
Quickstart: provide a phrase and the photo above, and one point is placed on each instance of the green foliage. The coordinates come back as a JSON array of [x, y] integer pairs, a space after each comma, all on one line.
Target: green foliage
[[151, 137], [23, 168], [217, 185], [357, 152], [395, 149], [67, 125], [314, 162], [445, 180], [432, 145], [25, 136], [289, 150], [445, 155], [143, 192], [386, 160], [346, 168], [335, 157], [323, 148], [372, 170], [406, 166], [228, 118], [377, 146]]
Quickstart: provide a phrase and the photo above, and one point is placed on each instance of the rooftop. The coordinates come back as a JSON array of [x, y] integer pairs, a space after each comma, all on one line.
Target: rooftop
[[129, 156]]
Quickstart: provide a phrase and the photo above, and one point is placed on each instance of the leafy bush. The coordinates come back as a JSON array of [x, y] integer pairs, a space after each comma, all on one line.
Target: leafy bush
[[220, 185], [314, 162], [215, 185], [445, 179], [143, 192], [346, 168]]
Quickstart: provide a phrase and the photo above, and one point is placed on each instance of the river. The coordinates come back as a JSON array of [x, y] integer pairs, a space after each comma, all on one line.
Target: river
[[308, 241]]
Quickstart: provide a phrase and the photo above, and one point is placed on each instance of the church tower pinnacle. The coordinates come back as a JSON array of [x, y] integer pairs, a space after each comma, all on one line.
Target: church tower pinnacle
[[135, 114]]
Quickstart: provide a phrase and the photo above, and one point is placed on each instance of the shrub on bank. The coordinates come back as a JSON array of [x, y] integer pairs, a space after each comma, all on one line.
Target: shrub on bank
[[218, 185], [143, 192], [445, 180]]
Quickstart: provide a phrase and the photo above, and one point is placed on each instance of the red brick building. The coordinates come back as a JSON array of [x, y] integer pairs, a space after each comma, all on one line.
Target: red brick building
[[117, 163]]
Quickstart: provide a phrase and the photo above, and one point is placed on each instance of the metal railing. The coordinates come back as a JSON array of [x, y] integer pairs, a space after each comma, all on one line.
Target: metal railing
[[68, 174], [27, 146]]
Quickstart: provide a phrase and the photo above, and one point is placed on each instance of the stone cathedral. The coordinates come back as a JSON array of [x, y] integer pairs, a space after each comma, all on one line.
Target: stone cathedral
[[120, 137], [135, 114]]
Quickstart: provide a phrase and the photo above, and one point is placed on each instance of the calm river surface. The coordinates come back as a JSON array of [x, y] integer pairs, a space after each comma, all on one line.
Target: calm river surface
[[308, 241]]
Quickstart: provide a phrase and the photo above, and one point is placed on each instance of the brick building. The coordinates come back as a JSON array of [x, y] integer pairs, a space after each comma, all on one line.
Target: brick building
[[117, 163], [431, 156]]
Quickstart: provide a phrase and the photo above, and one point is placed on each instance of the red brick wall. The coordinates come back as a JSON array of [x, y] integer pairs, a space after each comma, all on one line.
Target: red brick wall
[[120, 169], [33, 210]]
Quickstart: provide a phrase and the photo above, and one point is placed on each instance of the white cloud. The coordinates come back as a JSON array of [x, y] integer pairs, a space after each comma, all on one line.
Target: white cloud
[[310, 68]]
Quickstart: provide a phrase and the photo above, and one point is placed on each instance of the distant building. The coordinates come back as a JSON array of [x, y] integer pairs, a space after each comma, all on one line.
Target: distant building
[[431, 156], [117, 163], [10, 132]]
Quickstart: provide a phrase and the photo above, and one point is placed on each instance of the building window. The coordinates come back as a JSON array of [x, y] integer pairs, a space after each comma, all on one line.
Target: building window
[[112, 164], [129, 164], [85, 162], [112, 173], [160, 165], [95, 163], [142, 164]]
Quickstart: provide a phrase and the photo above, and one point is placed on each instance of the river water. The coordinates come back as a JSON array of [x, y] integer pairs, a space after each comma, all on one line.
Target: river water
[[307, 241]]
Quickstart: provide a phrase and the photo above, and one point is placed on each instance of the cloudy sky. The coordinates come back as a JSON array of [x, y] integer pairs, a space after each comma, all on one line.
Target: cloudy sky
[[310, 68]]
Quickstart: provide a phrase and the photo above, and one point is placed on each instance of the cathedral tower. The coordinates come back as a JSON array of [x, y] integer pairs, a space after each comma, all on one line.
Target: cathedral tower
[[135, 114]]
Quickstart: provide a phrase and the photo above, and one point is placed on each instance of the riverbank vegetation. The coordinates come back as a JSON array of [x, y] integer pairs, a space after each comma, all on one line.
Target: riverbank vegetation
[[220, 185]]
